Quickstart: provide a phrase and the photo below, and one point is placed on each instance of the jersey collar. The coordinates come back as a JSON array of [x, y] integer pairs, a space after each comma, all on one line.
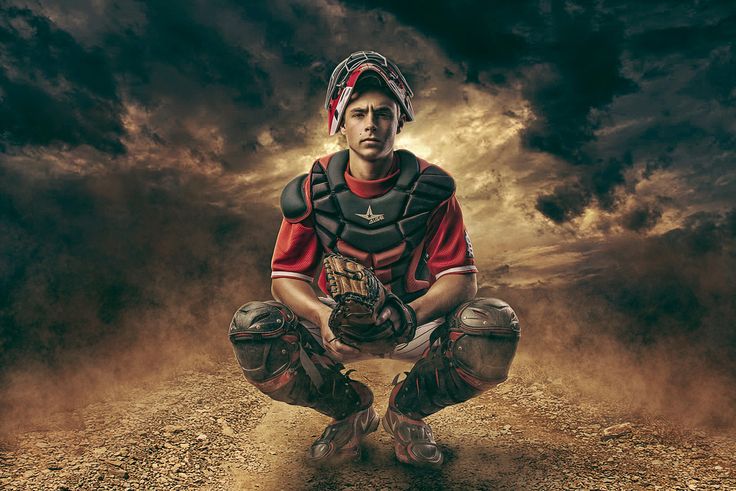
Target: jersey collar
[[372, 188]]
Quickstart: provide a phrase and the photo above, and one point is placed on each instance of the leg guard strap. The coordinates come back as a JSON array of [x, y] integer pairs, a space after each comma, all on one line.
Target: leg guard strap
[[432, 384]]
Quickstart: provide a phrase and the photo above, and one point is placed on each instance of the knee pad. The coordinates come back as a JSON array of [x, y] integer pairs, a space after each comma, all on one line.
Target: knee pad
[[484, 334], [264, 340]]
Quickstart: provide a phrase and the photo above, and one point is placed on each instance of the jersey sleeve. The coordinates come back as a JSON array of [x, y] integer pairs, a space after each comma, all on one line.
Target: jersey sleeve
[[449, 250], [297, 252]]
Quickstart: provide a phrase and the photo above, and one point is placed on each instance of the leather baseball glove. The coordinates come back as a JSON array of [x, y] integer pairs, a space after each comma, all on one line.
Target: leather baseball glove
[[360, 298]]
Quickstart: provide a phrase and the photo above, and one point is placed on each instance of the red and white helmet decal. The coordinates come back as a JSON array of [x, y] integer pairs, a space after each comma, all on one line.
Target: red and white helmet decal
[[346, 75]]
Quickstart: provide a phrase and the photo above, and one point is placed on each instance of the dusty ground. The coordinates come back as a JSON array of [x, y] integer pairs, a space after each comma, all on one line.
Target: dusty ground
[[210, 430]]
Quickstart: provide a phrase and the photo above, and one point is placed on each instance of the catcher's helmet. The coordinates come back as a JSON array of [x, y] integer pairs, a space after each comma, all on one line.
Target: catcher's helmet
[[346, 75]]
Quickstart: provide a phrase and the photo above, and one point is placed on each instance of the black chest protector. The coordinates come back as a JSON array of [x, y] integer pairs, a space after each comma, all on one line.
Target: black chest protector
[[385, 230]]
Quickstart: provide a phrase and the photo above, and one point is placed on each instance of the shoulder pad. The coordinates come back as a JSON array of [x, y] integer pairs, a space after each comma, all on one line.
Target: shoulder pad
[[433, 180], [294, 203]]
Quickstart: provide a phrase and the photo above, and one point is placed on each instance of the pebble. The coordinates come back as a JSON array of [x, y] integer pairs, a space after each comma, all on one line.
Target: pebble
[[117, 472], [173, 429], [617, 431], [227, 430], [99, 451]]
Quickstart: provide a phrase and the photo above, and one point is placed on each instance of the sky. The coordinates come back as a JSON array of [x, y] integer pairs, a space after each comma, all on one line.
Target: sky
[[143, 147]]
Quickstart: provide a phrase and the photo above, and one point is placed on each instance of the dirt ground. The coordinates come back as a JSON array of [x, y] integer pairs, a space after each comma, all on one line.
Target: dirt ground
[[208, 429]]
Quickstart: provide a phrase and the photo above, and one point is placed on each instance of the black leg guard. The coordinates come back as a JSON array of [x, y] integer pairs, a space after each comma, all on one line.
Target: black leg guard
[[280, 358], [479, 343]]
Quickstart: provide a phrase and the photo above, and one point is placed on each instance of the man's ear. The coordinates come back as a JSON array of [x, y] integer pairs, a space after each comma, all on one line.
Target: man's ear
[[342, 128], [401, 124]]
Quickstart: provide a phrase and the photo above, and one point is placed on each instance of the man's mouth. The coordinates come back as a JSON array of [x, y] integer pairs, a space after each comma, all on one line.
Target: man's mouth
[[370, 140]]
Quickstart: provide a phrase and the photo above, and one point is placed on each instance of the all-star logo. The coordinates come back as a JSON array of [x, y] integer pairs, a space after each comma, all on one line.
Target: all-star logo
[[368, 215]]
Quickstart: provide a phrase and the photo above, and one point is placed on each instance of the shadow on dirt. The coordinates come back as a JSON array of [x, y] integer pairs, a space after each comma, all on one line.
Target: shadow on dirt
[[475, 466]]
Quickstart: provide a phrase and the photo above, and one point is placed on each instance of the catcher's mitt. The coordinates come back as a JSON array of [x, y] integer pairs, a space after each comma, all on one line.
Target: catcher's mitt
[[360, 298]]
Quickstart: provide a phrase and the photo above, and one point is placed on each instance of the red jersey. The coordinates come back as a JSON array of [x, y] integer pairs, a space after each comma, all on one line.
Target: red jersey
[[446, 246]]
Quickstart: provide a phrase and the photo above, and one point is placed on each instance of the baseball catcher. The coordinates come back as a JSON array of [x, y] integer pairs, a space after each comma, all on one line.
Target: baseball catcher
[[399, 277]]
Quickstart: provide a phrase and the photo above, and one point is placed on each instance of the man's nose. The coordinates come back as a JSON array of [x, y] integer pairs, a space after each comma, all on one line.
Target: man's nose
[[370, 120]]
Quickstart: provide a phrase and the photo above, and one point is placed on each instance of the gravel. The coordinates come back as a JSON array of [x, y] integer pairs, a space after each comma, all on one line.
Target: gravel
[[213, 431]]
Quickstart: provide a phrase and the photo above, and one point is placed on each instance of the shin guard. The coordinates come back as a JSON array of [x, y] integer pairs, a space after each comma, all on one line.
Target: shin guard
[[477, 350], [280, 358]]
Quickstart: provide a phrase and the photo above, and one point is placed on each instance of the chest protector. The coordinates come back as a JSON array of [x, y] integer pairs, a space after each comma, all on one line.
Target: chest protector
[[386, 232]]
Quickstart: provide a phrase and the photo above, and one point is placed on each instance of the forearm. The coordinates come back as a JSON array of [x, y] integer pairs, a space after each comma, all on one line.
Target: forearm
[[444, 295], [300, 298]]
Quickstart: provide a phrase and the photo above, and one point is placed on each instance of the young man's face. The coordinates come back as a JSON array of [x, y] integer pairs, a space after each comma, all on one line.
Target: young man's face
[[371, 123]]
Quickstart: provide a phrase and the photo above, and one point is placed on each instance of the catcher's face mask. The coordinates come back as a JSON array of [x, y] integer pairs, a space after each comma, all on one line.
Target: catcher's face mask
[[346, 75]]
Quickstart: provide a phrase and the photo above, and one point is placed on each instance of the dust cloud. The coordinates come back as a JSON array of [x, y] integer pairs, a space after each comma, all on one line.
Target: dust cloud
[[650, 324], [116, 278]]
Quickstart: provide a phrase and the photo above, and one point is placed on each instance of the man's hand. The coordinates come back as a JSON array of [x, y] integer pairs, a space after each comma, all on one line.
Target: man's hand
[[299, 296], [336, 348], [389, 314]]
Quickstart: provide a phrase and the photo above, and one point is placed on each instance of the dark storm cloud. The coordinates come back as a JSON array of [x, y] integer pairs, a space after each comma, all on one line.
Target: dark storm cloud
[[644, 217], [64, 82], [174, 39], [569, 201], [478, 34], [682, 39], [716, 81], [564, 203], [52, 89], [579, 72]]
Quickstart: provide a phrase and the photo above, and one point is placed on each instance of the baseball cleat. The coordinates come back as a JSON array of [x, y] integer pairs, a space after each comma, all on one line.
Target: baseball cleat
[[341, 439], [413, 440]]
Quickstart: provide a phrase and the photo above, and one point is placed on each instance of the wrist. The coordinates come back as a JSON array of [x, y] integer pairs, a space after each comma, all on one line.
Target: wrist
[[408, 317], [419, 311], [320, 313]]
